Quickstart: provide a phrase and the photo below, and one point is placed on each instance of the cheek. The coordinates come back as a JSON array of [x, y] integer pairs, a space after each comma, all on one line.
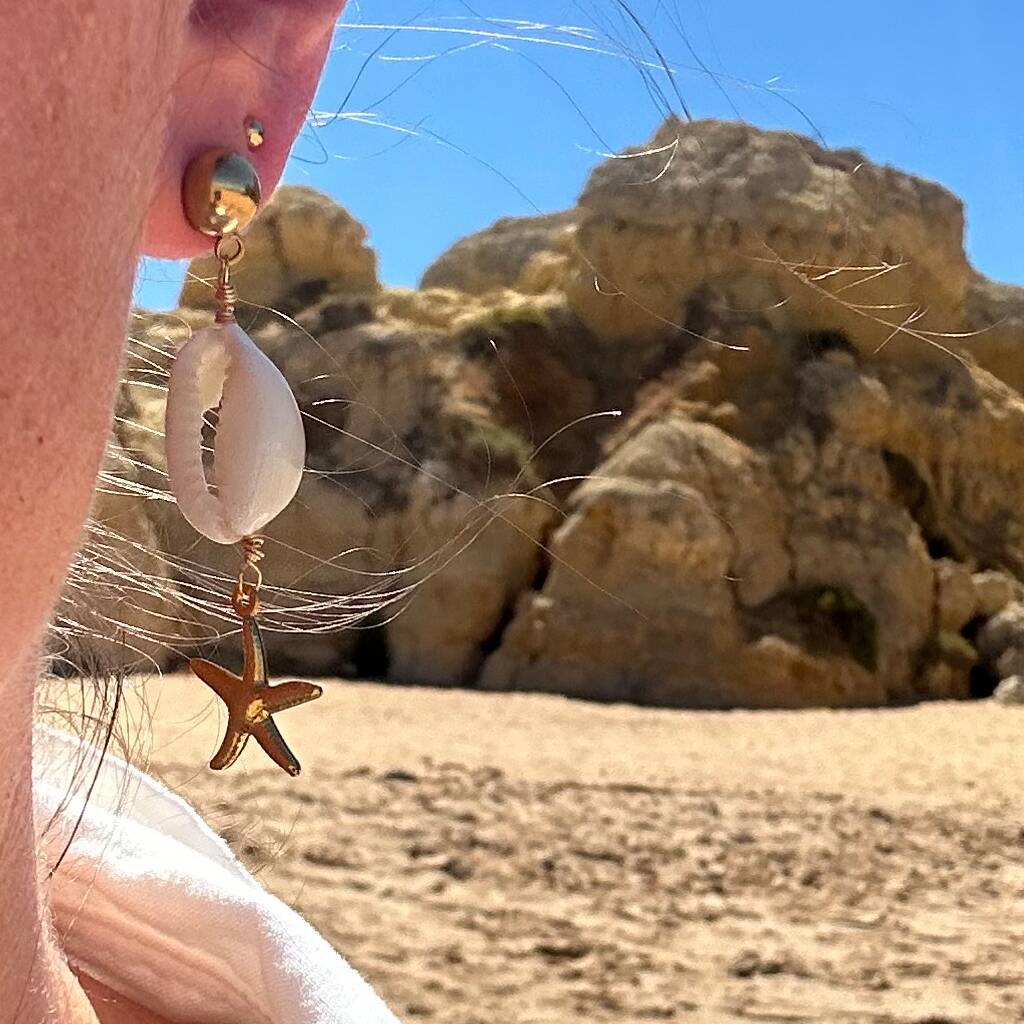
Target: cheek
[[218, 92]]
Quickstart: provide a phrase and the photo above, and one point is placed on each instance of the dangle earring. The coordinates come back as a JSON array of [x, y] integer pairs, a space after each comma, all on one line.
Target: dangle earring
[[258, 451]]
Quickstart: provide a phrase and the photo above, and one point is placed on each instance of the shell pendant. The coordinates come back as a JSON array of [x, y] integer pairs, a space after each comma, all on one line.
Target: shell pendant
[[259, 447]]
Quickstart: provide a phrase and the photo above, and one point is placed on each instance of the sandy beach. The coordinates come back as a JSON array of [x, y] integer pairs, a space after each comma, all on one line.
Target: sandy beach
[[530, 859]]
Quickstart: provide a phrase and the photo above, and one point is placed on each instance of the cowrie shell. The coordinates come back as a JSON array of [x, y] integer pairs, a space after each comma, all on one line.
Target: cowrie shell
[[259, 448]]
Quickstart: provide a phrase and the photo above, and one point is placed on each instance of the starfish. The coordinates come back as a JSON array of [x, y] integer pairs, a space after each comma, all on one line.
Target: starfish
[[251, 700]]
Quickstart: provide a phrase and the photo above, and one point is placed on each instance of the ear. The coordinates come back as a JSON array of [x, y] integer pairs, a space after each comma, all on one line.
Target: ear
[[241, 59]]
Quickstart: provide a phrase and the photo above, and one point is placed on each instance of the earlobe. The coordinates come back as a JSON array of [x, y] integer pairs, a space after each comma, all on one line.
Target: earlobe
[[242, 60]]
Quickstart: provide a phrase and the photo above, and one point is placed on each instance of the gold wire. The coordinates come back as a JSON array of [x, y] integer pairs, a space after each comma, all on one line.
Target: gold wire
[[225, 295], [245, 599], [252, 555]]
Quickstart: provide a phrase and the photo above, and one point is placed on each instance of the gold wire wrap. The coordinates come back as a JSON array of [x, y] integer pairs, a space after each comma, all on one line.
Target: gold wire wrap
[[245, 598], [252, 555], [224, 294]]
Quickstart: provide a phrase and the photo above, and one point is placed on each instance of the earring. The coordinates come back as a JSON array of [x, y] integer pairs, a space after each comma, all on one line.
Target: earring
[[254, 133], [258, 452]]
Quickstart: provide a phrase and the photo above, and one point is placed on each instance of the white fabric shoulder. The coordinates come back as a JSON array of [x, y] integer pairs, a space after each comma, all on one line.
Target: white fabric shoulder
[[150, 902]]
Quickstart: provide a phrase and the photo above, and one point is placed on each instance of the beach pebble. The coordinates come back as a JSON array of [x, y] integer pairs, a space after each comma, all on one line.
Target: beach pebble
[[1001, 631], [993, 591], [1010, 691]]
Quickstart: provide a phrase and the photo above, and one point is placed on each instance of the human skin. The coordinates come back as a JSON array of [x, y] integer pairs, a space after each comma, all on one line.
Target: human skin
[[102, 105]]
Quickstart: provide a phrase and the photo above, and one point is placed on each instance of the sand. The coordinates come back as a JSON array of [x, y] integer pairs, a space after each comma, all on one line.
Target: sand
[[527, 859]]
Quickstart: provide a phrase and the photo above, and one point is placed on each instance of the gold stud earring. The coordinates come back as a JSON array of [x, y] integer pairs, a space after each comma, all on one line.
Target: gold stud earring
[[254, 133], [220, 193]]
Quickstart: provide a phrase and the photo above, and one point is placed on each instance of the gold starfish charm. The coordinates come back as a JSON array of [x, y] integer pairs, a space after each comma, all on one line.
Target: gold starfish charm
[[250, 698]]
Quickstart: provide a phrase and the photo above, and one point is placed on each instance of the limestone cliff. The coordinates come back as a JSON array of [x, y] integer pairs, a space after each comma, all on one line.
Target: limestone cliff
[[811, 496]]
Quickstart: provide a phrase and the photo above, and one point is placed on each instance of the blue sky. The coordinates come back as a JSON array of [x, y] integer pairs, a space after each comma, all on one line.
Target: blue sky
[[497, 126]]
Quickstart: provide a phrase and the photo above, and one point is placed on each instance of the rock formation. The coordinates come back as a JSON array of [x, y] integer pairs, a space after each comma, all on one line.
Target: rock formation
[[305, 244], [516, 252], [810, 498]]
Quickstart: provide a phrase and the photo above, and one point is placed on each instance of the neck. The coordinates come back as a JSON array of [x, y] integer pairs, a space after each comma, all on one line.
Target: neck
[[73, 195], [34, 979]]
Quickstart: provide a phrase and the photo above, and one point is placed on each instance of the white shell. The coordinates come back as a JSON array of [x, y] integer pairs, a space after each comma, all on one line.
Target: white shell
[[259, 448]]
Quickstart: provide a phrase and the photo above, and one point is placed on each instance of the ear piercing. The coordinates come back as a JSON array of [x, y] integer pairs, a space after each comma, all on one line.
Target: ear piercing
[[254, 133]]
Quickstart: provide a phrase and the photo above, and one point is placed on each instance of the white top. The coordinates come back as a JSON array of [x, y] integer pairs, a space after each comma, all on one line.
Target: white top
[[153, 904]]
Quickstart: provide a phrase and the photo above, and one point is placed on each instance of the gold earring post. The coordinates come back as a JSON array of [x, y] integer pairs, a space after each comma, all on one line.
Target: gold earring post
[[254, 133]]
